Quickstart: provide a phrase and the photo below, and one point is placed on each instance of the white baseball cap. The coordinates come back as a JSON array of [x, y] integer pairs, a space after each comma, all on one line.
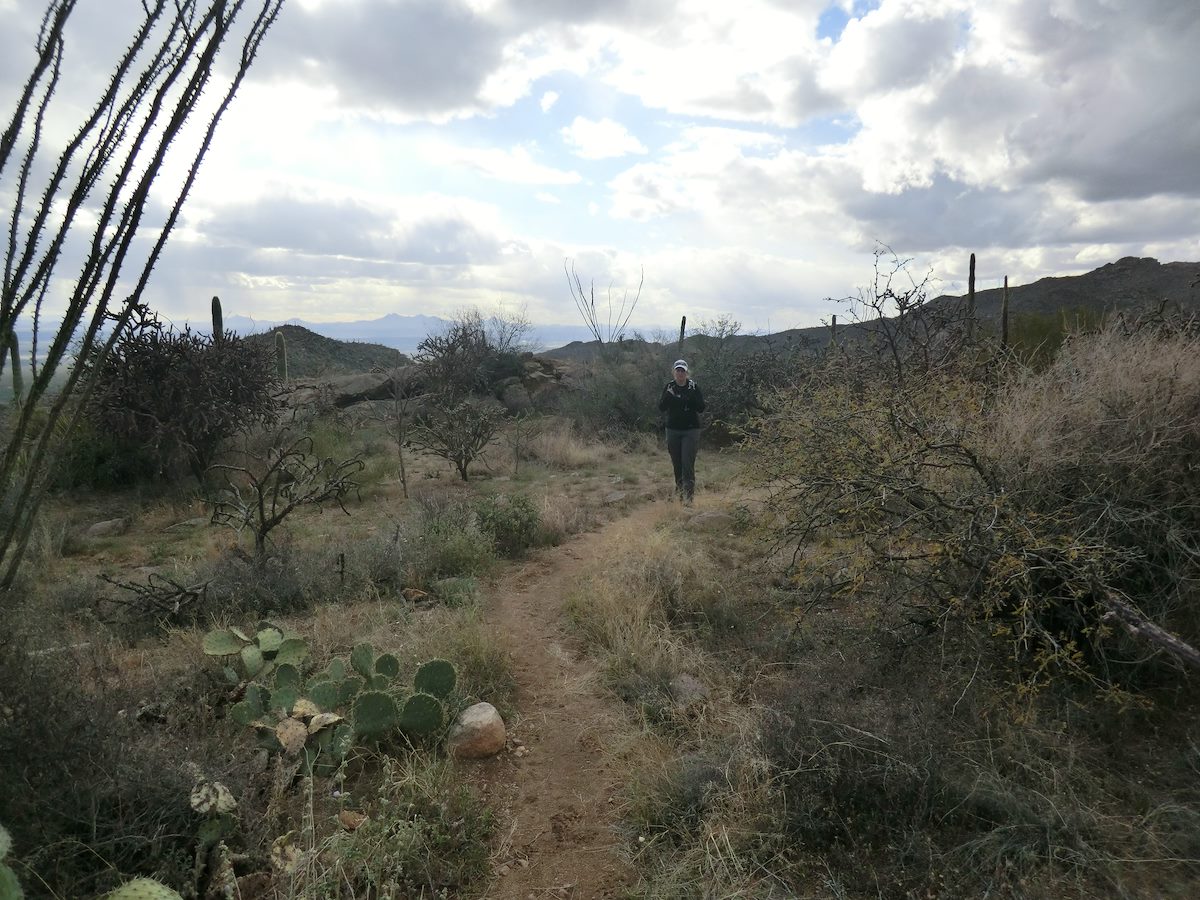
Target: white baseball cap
[[681, 364]]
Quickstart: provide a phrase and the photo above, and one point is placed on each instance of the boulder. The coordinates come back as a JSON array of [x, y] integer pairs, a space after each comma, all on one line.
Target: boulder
[[514, 397], [477, 733], [107, 528]]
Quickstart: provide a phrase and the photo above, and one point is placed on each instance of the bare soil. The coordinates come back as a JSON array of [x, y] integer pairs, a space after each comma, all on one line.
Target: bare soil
[[555, 788]]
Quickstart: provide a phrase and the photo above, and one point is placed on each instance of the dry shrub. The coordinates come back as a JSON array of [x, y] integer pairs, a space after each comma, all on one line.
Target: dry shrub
[[1026, 504], [89, 793]]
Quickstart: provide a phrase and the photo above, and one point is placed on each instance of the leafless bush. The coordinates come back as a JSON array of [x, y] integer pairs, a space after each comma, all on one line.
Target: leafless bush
[[261, 495]]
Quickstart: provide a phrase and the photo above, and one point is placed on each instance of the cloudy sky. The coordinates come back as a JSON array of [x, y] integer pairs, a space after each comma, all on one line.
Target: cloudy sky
[[421, 156]]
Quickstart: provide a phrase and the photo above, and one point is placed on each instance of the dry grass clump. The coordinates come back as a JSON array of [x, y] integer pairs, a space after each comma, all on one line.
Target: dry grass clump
[[560, 445], [563, 516]]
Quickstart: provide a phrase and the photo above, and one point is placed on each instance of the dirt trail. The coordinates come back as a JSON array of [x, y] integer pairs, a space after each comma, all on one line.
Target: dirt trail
[[555, 790]]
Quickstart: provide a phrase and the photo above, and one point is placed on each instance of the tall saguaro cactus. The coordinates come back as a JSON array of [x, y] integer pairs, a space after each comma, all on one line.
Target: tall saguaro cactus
[[218, 328], [281, 355], [1004, 315], [971, 301]]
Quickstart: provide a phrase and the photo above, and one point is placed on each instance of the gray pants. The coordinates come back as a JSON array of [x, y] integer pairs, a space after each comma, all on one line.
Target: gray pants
[[682, 444]]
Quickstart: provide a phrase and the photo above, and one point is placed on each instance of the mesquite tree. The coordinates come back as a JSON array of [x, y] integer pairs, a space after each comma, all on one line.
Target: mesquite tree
[[92, 191]]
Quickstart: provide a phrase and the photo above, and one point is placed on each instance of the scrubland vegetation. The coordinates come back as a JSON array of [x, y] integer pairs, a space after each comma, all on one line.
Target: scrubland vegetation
[[914, 640]]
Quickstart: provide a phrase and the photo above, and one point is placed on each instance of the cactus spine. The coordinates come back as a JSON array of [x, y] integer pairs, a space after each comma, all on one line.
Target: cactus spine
[[218, 332]]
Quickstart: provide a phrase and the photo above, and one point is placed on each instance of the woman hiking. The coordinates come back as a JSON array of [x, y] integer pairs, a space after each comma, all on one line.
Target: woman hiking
[[683, 402]]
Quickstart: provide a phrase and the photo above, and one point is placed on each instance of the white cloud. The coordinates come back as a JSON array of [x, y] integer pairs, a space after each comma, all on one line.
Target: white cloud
[[515, 165], [600, 139], [546, 197], [548, 100]]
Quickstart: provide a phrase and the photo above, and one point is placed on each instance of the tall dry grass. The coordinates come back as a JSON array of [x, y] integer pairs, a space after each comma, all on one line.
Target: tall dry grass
[[560, 444]]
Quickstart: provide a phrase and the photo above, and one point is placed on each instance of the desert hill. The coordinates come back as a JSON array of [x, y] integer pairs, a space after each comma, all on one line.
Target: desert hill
[[310, 354]]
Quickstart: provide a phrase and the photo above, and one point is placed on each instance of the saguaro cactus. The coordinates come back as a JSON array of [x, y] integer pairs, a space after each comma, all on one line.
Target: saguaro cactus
[[971, 300], [1004, 315], [218, 328], [281, 354]]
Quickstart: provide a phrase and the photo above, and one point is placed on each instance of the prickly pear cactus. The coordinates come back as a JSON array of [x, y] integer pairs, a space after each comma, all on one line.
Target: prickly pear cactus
[[362, 659], [10, 888], [422, 714], [375, 713], [436, 677], [143, 889], [387, 665], [222, 642]]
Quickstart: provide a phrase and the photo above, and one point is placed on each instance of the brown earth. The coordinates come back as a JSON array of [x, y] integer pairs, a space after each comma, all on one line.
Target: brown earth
[[555, 788]]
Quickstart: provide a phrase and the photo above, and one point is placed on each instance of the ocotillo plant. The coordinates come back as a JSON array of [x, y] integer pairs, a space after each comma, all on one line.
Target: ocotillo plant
[[218, 328], [14, 357]]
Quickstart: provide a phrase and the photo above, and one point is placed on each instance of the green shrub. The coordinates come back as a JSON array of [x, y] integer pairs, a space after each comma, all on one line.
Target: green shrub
[[444, 542], [511, 521]]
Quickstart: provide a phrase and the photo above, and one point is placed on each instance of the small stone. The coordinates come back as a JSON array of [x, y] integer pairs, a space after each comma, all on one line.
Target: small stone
[[350, 820], [478, 732], [503, 870], [614, 497]]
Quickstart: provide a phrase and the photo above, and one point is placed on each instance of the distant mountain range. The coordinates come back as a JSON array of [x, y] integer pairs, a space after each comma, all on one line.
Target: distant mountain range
[[1128, 283], [399, 332]]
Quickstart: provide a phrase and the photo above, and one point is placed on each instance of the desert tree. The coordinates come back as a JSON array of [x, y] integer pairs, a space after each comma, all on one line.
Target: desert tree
[[404, 383], [458, 431], [268, 489], [92, 191], [608, 325]]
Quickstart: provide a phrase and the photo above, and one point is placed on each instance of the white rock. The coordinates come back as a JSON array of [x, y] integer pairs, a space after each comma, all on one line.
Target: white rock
[[478, 732]]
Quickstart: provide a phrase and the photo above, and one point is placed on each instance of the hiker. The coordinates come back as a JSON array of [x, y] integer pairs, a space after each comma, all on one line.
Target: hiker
[[682, 402]]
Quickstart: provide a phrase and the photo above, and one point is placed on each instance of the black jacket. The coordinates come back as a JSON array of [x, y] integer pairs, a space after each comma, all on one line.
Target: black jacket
[[682, 405]]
